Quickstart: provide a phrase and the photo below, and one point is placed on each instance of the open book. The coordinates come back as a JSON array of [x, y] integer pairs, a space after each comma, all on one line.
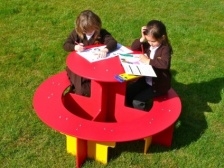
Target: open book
[[133, 66]]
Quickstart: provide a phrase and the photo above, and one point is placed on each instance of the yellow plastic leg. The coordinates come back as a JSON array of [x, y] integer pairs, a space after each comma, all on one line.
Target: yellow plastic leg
[[95, 150], [148, 141], [99, 150], [71, 143]]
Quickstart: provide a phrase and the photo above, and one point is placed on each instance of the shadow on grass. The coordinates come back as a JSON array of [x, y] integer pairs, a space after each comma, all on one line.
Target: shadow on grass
[[195, 98], [192, 122]]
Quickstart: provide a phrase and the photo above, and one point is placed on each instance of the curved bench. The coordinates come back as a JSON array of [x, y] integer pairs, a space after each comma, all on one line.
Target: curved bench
[[70, 117]]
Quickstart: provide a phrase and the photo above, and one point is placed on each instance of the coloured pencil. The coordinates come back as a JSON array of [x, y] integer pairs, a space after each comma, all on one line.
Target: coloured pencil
[[142, 48]]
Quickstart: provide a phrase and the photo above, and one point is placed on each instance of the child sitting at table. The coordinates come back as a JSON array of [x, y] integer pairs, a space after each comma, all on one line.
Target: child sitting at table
[[155, 44], [88, 31]]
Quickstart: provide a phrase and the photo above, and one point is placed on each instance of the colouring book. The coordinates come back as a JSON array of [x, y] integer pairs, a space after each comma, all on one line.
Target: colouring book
[[133, 66], [90, 54]]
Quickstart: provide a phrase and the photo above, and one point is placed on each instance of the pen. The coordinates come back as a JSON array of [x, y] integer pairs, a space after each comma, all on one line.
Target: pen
[[127, 55], [78, 43], [142, 48]]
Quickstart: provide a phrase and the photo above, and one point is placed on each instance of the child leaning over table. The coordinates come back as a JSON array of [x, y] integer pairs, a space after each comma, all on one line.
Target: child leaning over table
[[155, 44], [88, 31]]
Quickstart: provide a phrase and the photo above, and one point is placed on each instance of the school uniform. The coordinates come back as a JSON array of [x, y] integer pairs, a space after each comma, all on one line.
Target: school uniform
[[79, 84], [146, 88]]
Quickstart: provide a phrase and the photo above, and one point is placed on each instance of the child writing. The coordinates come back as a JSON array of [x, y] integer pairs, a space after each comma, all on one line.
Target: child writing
[[87, 31], [155, 44]]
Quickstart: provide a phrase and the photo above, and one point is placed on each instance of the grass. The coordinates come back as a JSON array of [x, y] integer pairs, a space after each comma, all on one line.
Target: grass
[[32, 35]]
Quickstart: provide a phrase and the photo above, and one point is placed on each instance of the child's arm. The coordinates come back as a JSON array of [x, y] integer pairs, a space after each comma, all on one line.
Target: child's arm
[[138, 43], [108, 40], [69, 44]]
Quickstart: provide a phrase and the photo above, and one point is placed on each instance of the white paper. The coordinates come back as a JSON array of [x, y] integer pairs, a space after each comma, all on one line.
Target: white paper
[[91, 53], [120, 50], [133, 66]]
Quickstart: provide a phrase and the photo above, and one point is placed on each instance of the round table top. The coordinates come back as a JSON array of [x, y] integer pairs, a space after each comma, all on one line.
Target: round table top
[[103, 71]]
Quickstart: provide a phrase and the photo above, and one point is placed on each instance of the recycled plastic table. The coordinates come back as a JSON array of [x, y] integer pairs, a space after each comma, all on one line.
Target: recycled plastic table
[[92, 124]]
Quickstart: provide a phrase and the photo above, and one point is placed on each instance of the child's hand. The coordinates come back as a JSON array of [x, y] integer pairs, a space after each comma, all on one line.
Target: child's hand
[[144, 59], [79, 47], [142, 39], [102, 53]]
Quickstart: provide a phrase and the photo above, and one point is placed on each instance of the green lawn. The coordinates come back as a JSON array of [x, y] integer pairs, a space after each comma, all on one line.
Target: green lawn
[[32, 35]]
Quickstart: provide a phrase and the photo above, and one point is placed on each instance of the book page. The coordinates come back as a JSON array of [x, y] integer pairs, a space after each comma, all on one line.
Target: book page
[[132, 65], [91, 54]]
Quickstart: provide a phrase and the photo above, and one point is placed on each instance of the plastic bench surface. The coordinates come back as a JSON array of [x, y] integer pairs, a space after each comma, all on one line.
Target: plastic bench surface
[[127, 124]]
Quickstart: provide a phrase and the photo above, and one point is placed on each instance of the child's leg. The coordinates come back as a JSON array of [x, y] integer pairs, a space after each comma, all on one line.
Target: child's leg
[[133, 89], [75, 81], [142, 100], [86, 87], [70, 76]]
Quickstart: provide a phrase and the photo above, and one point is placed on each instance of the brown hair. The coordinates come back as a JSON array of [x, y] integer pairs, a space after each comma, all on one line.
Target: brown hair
[[88, 21], [158, 31]]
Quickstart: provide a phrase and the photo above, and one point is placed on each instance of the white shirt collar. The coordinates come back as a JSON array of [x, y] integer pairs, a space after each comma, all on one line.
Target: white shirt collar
[[153, 51], [89, 36]]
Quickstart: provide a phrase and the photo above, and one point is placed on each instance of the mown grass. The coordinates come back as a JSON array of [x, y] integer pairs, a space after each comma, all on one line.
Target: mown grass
[[32, 35]]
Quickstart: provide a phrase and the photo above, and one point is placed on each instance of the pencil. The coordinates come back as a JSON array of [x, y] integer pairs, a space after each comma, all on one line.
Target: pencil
[[142, 48]]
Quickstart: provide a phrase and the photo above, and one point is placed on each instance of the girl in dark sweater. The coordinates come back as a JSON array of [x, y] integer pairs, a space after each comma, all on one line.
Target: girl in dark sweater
[[155, 44], [88, 31]]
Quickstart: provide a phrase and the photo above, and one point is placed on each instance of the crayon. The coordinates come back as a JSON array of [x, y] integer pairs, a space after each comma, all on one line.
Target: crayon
[[125, 77]]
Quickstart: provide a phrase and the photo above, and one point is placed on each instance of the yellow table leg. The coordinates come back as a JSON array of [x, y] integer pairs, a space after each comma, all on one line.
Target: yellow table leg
[[148, 141], [99, 150], [71, 143]]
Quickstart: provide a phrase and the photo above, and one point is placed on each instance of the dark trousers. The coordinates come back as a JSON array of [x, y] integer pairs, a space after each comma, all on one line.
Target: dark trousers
[[79, 85], [138, 93]]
